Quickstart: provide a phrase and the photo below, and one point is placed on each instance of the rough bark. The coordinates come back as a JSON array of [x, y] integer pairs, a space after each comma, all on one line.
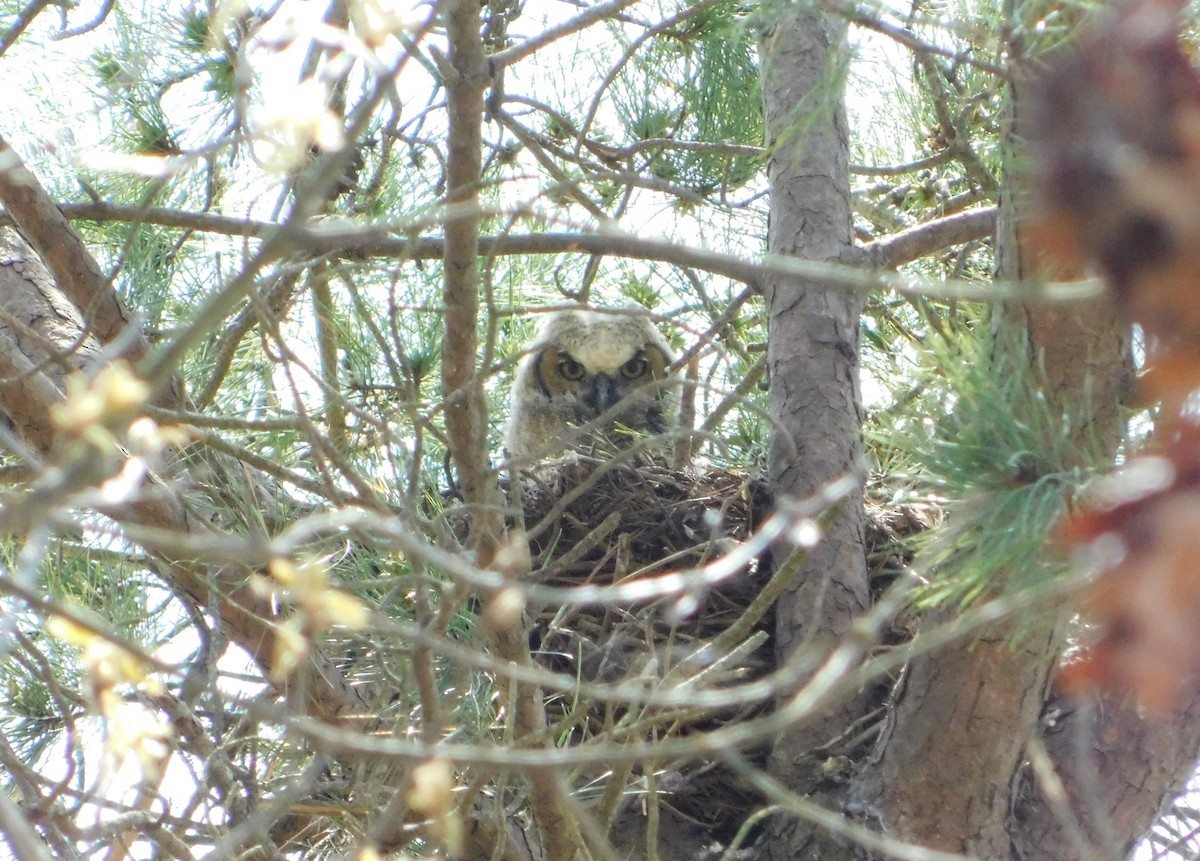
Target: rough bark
[[75, 271], [949, 765], [1081, 351], [813, 344], [1118, 772]]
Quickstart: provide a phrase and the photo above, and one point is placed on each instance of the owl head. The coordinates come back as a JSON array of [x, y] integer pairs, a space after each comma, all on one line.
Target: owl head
[[590, 375]]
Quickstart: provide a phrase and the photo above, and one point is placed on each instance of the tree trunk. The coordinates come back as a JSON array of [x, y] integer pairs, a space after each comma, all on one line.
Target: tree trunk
[[1117, 770], [956, 742], [813, 344]]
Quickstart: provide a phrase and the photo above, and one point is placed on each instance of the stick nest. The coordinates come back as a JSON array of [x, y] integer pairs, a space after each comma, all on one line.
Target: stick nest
[[603, 525], [599, 523]]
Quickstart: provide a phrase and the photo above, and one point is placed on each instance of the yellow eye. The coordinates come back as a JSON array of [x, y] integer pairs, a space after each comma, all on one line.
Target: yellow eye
[[570, 369], [635, 367]]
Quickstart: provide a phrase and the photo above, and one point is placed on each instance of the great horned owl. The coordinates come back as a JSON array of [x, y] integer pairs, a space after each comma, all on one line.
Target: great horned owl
[[581, 365]]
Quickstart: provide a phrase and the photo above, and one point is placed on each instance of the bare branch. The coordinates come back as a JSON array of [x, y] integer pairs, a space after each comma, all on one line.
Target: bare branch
[[594, 14], [869, 18], [906, 246], [75, 270], [353, 241], [934, 160], [20, 23]]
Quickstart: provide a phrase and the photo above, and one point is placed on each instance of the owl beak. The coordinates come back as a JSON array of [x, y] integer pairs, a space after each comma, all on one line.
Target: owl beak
[[601, 393]]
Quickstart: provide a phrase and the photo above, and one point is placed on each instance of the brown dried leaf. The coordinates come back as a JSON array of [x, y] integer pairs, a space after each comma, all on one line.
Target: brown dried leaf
[[1116, 135], [1144, 604]]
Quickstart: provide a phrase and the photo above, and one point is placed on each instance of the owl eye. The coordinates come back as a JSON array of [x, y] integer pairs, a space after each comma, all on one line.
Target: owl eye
[[634, 368], [570, 369]]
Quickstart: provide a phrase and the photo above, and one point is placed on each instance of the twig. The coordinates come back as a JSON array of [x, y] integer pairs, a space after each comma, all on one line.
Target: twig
[[20, 23]]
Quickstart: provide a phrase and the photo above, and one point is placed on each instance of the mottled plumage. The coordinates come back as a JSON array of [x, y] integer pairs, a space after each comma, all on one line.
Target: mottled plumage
[[581, 365]]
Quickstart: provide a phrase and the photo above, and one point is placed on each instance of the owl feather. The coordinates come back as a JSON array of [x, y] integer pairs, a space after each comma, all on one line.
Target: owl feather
[[590, 376]]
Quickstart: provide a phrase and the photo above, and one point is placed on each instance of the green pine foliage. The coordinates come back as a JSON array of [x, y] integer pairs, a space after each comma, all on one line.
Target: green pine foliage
[[980, 443], [697, 82]]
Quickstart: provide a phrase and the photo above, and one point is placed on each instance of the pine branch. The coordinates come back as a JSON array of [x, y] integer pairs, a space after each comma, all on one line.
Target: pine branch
[[354, 241], [76, 272], [906, 246]]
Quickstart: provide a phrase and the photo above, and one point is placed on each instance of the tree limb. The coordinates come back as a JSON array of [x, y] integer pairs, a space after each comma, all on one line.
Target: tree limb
[[75, 271], [20, 23], [906, 246], [462, 387], [353, 241]]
